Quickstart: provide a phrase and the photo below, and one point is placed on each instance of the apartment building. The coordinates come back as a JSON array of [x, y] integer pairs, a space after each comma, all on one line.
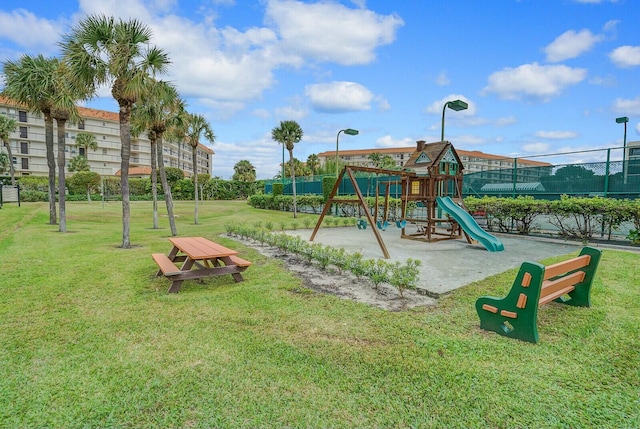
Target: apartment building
[[473, 161], [29, 151]]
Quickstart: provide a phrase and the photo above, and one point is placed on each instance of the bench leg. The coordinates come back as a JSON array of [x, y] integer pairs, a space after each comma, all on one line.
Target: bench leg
[[518, 324], [175, 286]]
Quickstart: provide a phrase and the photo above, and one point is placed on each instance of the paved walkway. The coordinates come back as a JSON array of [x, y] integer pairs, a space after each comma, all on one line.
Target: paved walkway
[[448, 264]]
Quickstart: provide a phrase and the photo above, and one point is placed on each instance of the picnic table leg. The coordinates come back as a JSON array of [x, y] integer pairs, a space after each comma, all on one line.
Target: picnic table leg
[[236, 276], [186, 266]]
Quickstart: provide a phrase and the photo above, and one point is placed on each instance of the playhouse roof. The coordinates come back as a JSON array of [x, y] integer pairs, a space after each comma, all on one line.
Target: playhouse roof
[[428, 155]]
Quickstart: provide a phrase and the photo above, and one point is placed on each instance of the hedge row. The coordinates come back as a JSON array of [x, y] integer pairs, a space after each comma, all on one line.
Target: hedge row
[[575, 217]]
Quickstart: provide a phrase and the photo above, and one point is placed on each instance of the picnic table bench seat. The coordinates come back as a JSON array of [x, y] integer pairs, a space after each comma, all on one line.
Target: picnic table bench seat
[[568, 282]]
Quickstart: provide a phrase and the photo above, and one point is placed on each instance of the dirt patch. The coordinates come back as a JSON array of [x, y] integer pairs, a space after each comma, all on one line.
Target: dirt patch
[[344, 285]]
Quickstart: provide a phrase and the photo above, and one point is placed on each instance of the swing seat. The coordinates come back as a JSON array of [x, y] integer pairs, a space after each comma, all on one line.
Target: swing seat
[[401, 223], [382, 225], [362, 224]]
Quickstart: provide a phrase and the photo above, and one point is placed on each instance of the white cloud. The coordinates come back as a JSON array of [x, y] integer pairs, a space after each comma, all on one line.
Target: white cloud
[[291, 113], [627, 107], [389, 142], [626, 56], [571, 44], [533, 81], [501, 122], [556, 135], [442, 79], [327, 31], [339, 96], [27, 30], [536, 148]]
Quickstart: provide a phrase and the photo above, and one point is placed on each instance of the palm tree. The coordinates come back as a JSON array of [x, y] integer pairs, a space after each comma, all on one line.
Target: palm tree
[[197, 126], [86, 141], [28, 82], [103, 50], [154, 114], [289, 133], [7, 126], [244, 171], [44, 86], [375, 159], [313, 162]]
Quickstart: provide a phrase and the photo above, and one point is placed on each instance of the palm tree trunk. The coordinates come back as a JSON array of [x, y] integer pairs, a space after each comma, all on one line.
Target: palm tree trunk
[[293, 180], [168, 199], [51, 163], [125, 155], [12, 169], [154, 183], [61, 175], [194, 156]]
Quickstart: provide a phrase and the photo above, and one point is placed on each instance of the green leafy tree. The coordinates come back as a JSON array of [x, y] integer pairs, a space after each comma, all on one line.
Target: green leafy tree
[[288, 134], [244, 171], [387, 163], [102, 50], [78, 163], [86, 180], [174, 175], [7, 126], [375, 158], [198, 126]]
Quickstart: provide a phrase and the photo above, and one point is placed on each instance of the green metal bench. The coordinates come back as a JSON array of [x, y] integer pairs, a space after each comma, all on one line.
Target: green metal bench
[[516, 315]]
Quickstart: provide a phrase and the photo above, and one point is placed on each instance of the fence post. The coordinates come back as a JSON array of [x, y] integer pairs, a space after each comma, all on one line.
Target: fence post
[[606, 174], [515, 176]]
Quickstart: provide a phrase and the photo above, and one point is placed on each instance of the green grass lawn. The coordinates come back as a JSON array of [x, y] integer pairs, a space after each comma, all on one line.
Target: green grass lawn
[[90, 338]]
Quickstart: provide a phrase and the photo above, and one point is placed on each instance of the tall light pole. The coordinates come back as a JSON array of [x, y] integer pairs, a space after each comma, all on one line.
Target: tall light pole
[[349, 131], [282, 166], [624, 120], [456, 105]]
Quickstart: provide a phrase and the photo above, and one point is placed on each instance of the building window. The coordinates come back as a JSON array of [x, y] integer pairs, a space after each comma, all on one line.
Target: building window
[[23, 132], [22, 116], [81, 125], [104, 151], [25, 163], [24, 147], [82, 151]]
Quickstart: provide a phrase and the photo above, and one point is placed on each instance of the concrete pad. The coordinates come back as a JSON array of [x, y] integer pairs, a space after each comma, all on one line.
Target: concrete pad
[[446, 265]]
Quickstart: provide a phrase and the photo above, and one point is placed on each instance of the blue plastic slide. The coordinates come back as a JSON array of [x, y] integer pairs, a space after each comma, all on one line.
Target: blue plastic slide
[[469, 224]]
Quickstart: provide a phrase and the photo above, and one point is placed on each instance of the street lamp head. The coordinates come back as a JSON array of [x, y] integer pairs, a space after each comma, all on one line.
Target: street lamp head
[[351, 132], [622, 120], [457, 105]]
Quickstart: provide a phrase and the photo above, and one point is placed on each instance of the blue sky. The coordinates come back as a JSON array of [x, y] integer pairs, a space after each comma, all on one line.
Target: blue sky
[[540, 76]]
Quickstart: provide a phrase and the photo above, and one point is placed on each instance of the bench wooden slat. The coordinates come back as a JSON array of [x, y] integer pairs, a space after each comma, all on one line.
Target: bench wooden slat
[[239, 261], [564, 267], [552, 289], [165, 264]]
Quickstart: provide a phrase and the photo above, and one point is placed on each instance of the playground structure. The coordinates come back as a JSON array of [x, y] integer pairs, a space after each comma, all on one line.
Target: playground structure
[[431, 199]]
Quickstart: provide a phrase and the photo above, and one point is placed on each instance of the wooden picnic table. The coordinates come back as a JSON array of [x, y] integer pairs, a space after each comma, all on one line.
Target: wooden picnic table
[[200, 258]]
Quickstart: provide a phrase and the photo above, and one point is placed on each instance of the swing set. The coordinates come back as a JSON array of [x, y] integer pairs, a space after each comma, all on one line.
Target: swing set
[[436, 173]]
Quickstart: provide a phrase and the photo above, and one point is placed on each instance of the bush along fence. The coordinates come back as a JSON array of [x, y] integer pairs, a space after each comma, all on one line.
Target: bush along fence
[[573, 217], [315, 203], [402, 276]]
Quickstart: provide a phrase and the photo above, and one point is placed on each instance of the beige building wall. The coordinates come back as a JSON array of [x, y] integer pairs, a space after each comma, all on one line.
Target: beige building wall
[[29, 151]]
